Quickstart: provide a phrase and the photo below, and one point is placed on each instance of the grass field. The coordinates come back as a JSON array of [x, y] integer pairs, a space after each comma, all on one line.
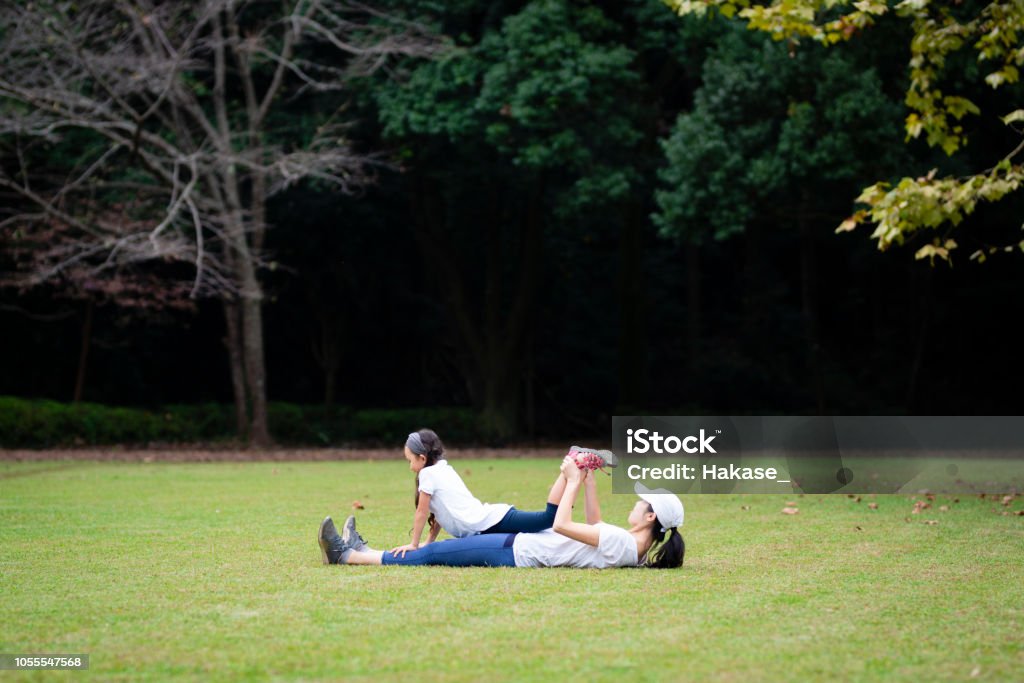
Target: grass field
[[210, 571]]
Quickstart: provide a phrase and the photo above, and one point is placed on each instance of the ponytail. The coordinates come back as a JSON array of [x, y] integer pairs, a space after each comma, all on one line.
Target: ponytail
[[433, 450], [416, 504], [665, 554]]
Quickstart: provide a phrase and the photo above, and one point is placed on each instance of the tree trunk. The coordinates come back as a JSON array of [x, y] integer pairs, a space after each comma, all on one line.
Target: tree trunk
[[255, 368], [330, 380], [693, 309], [808, 287], [632, 311], [752, 278], [499, 414], [83, 355], [252, 339], [924, 309], [529, 388], [492, 358], [233, 343]]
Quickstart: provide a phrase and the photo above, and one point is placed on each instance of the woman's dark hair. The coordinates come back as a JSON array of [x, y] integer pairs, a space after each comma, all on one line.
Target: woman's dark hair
[[435, 449], [664, 554]]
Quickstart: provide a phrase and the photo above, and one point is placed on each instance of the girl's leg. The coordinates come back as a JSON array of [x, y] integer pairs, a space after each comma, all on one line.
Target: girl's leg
[[557, 489], [494, 550], [516, 521]]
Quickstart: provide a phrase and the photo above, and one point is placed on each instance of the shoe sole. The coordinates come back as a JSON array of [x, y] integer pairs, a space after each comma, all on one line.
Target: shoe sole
[[613, 463], [347, 536], [320, 540]]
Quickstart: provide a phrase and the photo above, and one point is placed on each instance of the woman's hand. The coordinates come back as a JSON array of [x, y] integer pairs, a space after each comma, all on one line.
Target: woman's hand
[[570, 470], [403, 549]]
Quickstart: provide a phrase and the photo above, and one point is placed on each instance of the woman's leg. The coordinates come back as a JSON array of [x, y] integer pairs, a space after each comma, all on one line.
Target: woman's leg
[[494, 550], [517, 521], [473, 551]]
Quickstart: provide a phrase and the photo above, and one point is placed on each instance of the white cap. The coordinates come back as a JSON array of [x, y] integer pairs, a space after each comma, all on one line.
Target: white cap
[[666, 505]]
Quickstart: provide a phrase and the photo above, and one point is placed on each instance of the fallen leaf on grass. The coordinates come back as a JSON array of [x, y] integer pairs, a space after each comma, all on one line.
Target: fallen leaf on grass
[[920, 505], [790, 502], [872, 506], [944, 508], [930, 522], [1007, 500], [790, 510], [859, 528], [975, 672], [744, 507], [1019, 513], [356, 505]]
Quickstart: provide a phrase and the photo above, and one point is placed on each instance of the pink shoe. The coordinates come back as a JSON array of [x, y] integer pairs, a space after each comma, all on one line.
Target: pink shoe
[[589, 459]]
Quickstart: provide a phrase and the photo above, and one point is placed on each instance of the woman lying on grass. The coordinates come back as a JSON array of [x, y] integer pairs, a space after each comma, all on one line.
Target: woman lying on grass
[[567, 544]]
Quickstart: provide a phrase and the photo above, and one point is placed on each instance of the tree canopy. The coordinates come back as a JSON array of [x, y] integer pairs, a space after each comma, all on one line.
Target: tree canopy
[[940, 32]]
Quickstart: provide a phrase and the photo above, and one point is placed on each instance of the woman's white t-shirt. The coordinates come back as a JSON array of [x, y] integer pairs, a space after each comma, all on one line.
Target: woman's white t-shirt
[[616, 547], [455, 508]]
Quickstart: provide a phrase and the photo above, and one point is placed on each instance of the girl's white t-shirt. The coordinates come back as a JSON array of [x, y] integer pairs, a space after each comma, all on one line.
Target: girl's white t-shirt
[[455, 508], [616, 547]]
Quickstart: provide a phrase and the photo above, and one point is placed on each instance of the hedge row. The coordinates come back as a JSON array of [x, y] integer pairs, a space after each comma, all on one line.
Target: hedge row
[[26, 423]]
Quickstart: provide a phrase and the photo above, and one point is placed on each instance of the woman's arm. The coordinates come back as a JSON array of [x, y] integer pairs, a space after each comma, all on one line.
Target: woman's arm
[[590, 504], [584, 533], [419, 520]]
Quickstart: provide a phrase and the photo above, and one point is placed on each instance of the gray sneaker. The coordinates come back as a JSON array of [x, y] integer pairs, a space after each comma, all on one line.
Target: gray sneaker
[[351, 536], [607, 457], [333, 547]]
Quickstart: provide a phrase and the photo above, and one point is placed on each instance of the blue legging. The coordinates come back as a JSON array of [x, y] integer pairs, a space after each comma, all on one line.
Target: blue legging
[[517, 521], [482, 550]]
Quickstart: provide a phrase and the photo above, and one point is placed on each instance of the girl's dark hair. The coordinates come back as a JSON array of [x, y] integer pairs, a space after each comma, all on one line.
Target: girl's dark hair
[[435, 449], [432, 444], [669, 554]]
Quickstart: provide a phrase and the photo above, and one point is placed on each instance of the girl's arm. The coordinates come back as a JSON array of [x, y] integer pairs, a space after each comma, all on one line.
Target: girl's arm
[[435, 529], [590, 504], [419, 520], [584, 533]]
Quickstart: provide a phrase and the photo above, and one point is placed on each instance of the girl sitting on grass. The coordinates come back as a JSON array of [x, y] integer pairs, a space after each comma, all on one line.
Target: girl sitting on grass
[[567, 544], [444, 502]]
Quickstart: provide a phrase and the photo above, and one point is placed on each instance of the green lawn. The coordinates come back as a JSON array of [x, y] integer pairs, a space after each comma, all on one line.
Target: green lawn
[[212, 572]]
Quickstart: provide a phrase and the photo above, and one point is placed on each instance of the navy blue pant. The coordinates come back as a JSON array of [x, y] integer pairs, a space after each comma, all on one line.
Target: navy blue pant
[[482, 550], [518, 522]]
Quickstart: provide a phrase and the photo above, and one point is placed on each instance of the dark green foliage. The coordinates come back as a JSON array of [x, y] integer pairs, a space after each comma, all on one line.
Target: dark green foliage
[[769, 130], [527, 166], [48, 424], [550, 88]]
